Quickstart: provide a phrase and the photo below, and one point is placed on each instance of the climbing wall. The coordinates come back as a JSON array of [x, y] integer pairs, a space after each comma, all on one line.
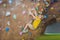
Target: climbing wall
[[14, 16]]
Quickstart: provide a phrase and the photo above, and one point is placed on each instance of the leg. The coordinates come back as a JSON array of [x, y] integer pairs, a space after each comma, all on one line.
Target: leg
[[28, 25], [25, 30]]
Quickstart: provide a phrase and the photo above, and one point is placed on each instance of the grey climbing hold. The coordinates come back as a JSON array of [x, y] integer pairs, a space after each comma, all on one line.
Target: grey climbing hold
[[30, 33]]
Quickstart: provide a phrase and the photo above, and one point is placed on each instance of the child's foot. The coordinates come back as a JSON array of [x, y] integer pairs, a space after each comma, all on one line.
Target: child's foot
[[25, 31]]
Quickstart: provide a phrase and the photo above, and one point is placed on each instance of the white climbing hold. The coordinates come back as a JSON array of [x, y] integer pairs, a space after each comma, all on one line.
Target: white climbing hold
[[8, 13], [18, 2], [8, 23]]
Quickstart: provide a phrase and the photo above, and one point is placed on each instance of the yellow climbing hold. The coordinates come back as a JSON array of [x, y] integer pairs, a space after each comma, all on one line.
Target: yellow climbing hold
[[4, 5], [36, 22], [22, 39], [38, 4], [52, 8], [39, 12]]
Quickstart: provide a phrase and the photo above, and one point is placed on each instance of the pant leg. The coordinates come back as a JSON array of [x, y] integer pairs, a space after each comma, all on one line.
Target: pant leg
[[31, 26]]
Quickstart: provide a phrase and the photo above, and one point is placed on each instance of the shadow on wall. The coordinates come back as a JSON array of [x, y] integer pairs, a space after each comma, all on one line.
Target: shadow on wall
[[53, 28]]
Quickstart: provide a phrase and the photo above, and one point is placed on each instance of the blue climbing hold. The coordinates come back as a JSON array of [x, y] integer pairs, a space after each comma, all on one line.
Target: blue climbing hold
[[7, 29], [0, 1], [10, 1], [45, 16]]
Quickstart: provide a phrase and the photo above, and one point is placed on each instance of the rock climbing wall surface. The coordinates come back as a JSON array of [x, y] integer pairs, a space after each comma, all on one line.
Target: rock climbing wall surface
[[55, 7], [14, 15]]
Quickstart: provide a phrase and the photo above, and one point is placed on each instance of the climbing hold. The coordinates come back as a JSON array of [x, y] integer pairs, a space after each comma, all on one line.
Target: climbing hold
[[10, 1], [46, 9], [24, 12], [52, 8], [23, 5], [36, 8], [22, 39], [8, 13], [54, 15], [45, 16], [32, 8], [42, 9], [39, 12], [18, 2], [38, 4], [7, 29], [4, 5], [14, 16], [8, 23], [44, 0], [38, 0], [20, 33], [30, 33], [0, 1], [47, 5]]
